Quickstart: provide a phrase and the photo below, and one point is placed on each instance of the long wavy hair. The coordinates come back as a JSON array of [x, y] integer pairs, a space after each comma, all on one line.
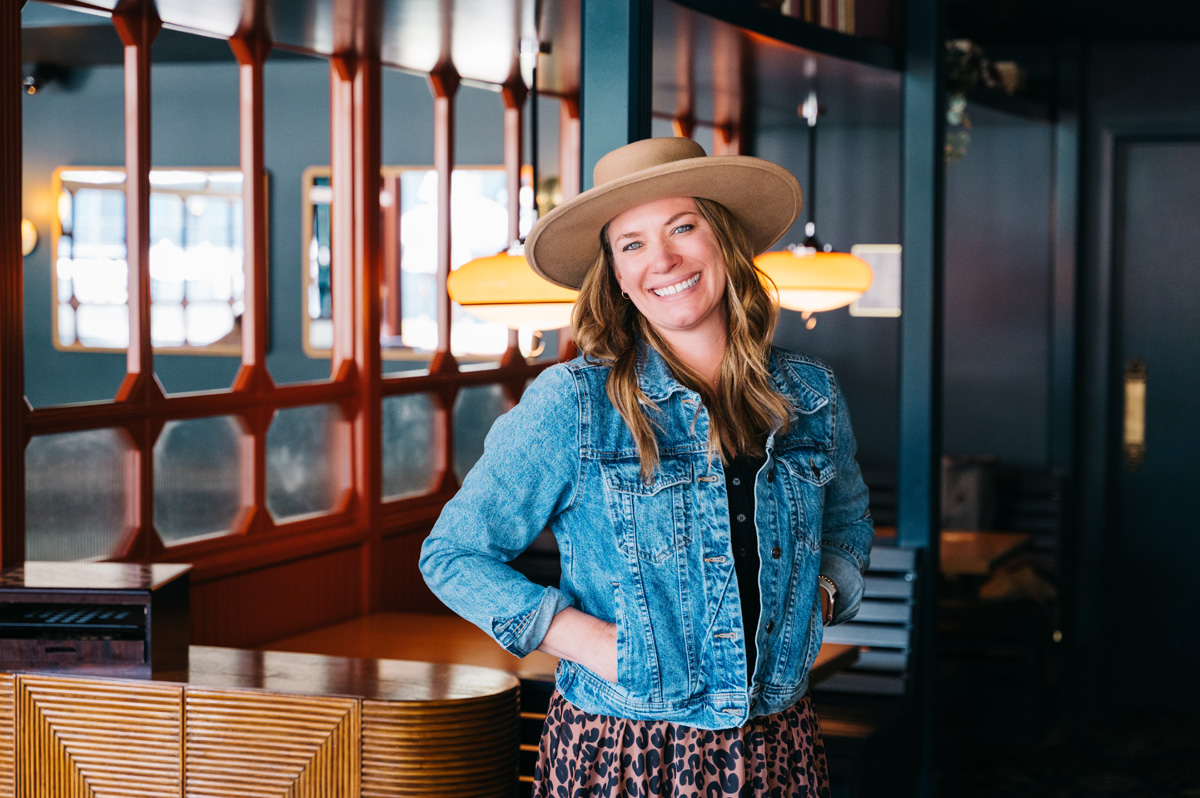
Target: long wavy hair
[[744, 406]]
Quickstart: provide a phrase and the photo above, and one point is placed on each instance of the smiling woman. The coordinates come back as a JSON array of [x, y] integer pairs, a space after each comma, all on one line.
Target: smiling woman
[[698, 565]]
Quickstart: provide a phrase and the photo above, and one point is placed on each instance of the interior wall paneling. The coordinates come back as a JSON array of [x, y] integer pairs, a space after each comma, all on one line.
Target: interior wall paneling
[[1063, 420], [615, 95], [401, 593], [921, 341], [12, 297], [277, 599]]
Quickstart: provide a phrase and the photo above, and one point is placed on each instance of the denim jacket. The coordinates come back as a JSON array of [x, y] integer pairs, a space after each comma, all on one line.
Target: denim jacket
[[655, 557]]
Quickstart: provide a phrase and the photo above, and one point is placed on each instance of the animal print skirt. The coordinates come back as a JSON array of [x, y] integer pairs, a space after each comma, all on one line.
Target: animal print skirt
[[598, 756]]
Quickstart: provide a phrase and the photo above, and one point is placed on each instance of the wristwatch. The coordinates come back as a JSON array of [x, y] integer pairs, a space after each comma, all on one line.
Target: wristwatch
[[831, 589]]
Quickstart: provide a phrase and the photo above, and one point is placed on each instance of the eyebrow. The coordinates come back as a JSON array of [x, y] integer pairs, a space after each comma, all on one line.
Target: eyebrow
[[667, 223]]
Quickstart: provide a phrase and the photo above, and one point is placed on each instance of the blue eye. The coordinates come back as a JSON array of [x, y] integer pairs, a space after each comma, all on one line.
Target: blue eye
[[631, 246], [683, 228]]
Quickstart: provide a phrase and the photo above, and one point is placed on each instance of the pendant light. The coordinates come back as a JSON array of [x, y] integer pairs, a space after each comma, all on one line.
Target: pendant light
[[502, 288], [809, 277]]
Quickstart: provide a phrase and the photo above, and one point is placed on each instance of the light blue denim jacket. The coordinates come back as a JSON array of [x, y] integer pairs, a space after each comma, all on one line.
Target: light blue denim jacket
[[655, 557]]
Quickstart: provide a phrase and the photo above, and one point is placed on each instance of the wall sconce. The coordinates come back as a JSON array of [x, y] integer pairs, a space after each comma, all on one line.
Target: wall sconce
[[29, 237]]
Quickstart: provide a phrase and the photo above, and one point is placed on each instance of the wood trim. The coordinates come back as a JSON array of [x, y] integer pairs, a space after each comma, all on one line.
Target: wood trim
[[12, 297], [443, 82], [367, 423], [253, 379], [513, 94], [390, 233], [138, 24]]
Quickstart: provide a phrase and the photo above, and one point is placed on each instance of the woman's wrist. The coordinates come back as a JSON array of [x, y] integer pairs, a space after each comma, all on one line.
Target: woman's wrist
[[829, 587]]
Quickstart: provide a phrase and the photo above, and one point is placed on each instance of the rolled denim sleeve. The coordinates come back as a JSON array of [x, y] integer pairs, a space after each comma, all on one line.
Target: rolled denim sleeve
[[846, 530], [528, 474]]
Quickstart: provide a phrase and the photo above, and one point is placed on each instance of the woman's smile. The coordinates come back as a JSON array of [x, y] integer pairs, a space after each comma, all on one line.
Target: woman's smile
[[671, 290]]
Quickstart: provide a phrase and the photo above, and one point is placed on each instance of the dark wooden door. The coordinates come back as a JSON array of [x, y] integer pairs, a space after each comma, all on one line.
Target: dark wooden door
[[1152, 568]]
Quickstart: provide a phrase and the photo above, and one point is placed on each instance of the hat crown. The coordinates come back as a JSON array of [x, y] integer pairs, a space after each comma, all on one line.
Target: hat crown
[[641, 155]]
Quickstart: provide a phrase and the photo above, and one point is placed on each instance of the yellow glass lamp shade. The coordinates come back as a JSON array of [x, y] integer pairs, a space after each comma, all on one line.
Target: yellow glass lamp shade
[[811, 282], [503, 289]]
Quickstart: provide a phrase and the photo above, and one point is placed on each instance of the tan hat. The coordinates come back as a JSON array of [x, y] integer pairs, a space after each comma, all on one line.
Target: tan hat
[[764, 197]]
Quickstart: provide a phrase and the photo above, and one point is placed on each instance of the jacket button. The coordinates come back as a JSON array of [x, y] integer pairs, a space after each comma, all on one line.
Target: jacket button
[[776, 552], [770, 626]]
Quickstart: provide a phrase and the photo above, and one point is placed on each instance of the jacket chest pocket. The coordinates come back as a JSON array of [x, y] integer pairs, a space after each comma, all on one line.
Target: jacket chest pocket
[[808, 472], [650, 517]]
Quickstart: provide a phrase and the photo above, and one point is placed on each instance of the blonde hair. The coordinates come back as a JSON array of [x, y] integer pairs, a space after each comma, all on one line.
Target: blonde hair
[[744, 406]]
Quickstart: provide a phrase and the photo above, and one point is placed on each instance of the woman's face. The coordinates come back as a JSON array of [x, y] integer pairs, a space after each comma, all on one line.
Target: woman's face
[[667, 258]]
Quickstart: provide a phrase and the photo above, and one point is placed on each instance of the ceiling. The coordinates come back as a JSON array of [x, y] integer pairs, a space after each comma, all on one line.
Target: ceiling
[[481, 38], [700, 63], [1041, 21]]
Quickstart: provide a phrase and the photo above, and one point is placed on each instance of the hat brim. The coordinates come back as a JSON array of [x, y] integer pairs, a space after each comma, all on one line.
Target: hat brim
[[764, 197]]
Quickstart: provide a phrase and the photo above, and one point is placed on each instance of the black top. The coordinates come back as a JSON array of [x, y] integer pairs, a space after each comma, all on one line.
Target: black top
[[739, 482]]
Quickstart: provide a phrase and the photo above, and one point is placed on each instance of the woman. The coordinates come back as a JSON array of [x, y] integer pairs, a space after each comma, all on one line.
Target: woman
[[701, 484]]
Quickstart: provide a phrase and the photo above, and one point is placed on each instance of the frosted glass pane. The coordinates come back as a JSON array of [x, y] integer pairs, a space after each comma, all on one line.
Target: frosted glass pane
[[307, 467], [409, 458], [197, 478], [75, 495], [474, 412]]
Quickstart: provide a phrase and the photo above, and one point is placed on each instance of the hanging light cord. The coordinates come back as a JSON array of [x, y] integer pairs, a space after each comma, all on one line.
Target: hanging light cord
[[810, 112]]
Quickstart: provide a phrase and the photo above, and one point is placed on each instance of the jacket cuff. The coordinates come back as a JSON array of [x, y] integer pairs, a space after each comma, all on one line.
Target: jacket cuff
[[521, 635], [844, 572]]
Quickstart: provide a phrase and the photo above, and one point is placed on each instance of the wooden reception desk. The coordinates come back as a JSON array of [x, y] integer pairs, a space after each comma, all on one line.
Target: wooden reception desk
[[262, 723]]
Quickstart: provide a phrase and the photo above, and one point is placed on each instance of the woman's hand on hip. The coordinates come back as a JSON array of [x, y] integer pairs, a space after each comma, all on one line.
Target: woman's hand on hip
[[584, 639]]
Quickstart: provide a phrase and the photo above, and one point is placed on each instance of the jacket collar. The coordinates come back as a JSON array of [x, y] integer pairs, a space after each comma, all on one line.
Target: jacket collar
[[654, 375], [658, 383]]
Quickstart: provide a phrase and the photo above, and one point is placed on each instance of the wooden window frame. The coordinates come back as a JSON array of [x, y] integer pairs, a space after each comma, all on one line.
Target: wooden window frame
[[363, 521]]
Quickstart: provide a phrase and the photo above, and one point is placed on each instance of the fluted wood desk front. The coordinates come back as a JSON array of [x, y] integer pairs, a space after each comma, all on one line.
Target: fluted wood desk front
[[262, 723]]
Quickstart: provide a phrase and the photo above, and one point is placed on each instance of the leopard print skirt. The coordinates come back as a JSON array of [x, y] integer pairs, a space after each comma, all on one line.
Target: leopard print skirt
[[597, 756]]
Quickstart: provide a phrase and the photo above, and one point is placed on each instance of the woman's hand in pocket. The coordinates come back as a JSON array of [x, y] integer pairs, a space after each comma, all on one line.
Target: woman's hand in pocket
[[576, 636]]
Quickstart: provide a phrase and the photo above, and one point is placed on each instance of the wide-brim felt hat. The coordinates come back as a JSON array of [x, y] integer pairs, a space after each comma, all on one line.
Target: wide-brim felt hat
[[763, 196]]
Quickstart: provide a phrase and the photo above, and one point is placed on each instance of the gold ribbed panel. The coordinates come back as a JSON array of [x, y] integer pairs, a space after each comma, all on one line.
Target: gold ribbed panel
[[8, 722], [84, 738], [465, 749], [241, 744]]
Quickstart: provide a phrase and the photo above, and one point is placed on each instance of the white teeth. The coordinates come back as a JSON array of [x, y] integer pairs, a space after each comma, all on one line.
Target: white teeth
[[675, 289]]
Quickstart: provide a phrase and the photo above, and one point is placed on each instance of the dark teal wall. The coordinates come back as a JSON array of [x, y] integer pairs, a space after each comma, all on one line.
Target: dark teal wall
[[997, 291]]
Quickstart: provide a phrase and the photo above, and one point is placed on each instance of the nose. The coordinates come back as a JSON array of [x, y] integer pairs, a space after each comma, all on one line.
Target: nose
[[666, 256]]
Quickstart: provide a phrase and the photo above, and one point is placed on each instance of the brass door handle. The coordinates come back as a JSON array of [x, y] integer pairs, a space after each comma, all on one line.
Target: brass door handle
[[1135, 413]]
